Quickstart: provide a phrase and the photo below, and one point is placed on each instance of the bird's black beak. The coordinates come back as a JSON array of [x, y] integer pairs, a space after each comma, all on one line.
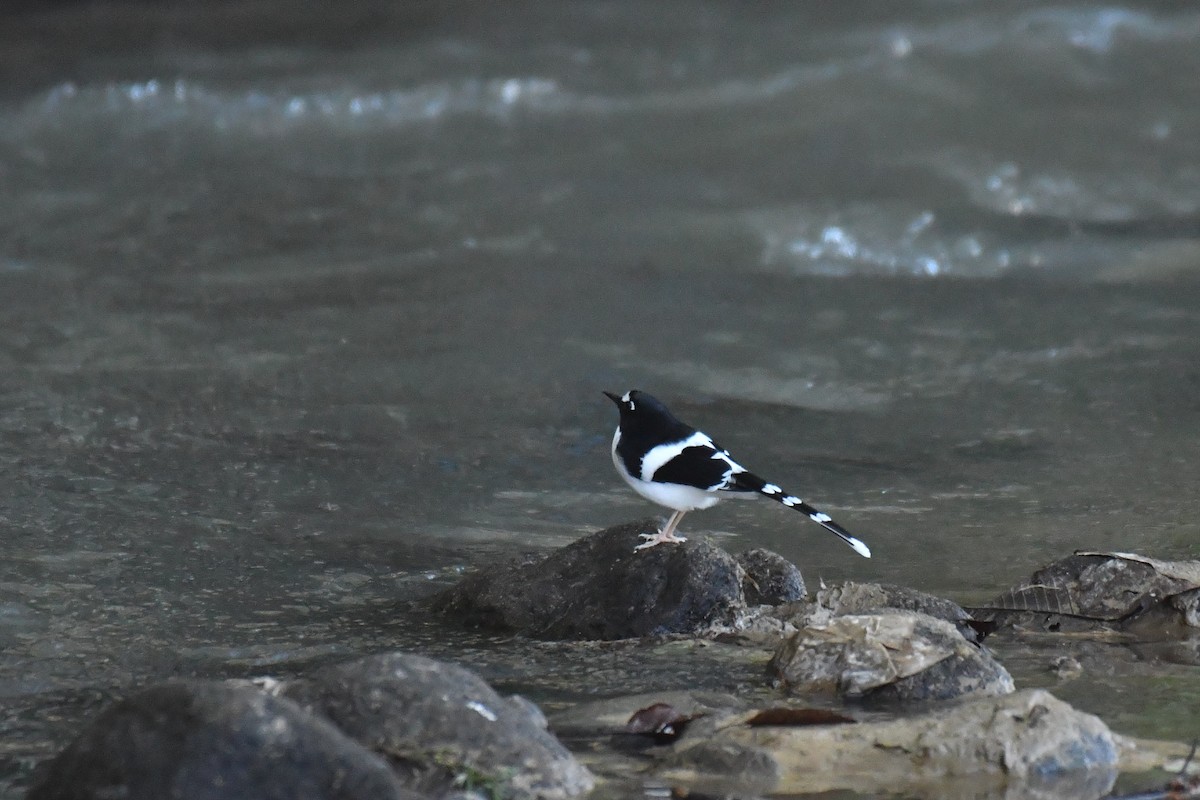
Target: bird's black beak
[[616, 398]]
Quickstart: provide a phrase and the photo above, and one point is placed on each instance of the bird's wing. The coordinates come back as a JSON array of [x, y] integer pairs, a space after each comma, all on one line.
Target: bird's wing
[[696, 461]]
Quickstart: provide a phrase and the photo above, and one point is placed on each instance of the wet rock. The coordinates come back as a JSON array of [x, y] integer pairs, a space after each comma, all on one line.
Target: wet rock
[[440, 724], [770, 578], [210, 741], [1086, 591], [1029, 740], [759, 624], [1066, 667], [896, 656], [599, 588], [861, 598]]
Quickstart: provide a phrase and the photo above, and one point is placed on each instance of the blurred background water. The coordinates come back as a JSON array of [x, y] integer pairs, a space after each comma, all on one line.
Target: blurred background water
[[307, 308]]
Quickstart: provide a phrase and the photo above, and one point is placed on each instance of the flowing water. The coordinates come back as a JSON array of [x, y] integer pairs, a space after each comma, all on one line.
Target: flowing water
[[307, 310]]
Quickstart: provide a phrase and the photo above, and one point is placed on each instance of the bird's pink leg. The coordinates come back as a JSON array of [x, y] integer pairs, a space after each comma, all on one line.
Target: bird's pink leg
[[664, 536]]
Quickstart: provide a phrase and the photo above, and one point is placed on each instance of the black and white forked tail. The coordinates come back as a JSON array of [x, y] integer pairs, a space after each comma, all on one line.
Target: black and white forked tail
[[749, 482]]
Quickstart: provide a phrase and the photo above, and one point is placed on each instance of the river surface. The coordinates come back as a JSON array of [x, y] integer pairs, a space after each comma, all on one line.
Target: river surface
[[307, 310]]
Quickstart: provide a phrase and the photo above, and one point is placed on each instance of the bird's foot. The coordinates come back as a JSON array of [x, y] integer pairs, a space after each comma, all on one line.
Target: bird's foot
[[653, 539]]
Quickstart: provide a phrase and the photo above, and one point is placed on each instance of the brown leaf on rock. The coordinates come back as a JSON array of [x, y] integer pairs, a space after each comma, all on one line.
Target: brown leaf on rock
[[661, 721], [796, 717]]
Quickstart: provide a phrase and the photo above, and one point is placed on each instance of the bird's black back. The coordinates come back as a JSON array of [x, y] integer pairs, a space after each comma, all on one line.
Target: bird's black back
[[647, 425]]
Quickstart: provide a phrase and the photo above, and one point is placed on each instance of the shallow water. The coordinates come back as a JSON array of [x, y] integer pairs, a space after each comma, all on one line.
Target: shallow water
[[308, 311]]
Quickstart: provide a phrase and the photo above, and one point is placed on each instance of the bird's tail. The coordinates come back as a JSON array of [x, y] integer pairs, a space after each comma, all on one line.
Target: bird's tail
[[749, 482]]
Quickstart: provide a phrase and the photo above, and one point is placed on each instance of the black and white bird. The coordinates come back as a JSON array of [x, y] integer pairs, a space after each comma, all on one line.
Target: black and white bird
[[671, 463]]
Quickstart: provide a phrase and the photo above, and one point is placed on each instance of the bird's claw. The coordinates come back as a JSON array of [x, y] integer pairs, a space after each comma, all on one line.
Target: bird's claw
[[653, 539]]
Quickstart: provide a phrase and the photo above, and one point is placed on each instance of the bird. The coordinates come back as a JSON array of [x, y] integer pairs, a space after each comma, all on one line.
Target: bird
[[670, 463]]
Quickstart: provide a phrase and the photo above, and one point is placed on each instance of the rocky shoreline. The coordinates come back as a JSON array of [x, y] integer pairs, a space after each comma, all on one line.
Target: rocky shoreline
[[885, 690]]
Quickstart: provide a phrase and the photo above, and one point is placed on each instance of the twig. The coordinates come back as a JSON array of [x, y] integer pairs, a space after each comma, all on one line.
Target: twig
[[1181, 787]]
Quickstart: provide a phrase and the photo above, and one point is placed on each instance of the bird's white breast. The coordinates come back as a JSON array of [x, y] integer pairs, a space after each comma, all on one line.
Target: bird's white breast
[[676, 496]]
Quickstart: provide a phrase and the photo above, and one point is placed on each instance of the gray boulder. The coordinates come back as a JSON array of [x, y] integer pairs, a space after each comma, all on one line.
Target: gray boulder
[[600, 588], [441, 725], [197, 740]]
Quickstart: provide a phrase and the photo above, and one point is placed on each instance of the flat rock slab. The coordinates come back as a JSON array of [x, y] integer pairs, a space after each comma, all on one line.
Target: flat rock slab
[[600, 588], [199, 740], [895, 656], [1028, 741], [438, 722]]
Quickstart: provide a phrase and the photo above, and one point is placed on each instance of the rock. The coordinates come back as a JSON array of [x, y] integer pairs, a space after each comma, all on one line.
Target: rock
[[437, 727], [861, 598], [599, 588], [758, 624], [439, 723], [198, 740], [1029, 741], [1087, 591], [770, 578], [1066, 667], [895, 656]]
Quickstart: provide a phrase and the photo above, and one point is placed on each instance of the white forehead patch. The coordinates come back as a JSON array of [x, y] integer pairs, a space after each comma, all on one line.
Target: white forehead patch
[[627, 398]]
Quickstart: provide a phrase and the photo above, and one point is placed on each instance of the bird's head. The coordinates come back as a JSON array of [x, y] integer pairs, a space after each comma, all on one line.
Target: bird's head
[[626, 403], [639, 407]]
